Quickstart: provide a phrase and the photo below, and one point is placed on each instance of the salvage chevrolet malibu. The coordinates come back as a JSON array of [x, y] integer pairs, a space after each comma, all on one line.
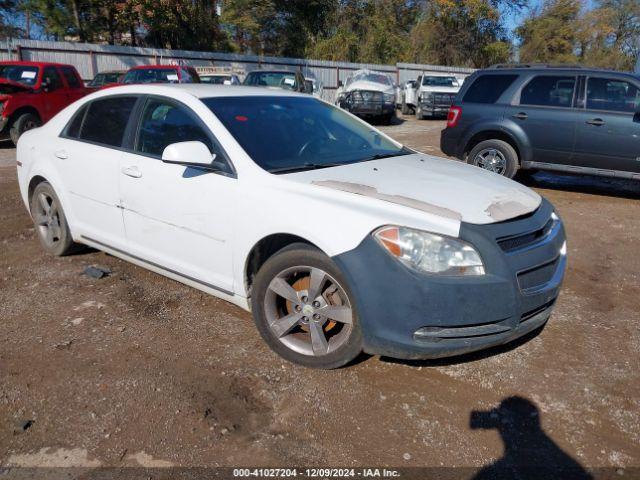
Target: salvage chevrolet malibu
[[337, 238]]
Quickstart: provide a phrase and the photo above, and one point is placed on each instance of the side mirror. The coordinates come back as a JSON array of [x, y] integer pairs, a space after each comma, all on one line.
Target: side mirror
[[189, 154]]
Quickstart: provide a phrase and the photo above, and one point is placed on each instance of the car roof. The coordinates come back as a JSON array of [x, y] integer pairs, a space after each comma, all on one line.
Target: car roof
[[271, 71], [33, 64], [541, 68], [203, 90], [159, 67]]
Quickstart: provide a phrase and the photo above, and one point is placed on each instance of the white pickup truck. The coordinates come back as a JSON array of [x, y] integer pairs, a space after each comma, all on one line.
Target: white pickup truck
[[430, 95]]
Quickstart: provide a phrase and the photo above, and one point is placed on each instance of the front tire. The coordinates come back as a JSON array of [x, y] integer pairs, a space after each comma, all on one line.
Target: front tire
[[50, 221], [304, 310], [496, 156], [24, 122]]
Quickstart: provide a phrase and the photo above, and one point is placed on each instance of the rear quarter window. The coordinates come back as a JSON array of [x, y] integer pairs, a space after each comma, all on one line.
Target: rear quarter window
[[488, 88]]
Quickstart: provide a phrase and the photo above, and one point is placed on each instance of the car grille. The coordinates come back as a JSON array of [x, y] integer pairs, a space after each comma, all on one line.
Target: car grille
[[443, 98], [366, 96], [509, 244], [538, 276]]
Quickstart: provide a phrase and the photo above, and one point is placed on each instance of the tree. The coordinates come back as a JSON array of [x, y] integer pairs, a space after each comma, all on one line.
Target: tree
[[551, 35], [464, 32]]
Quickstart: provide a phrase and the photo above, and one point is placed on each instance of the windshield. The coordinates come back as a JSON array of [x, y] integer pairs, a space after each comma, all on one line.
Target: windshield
[[293, 133], [19, 73], [152, 75], [105, 78], [271, 79], [215, 79], [372, 77], [439, 81]]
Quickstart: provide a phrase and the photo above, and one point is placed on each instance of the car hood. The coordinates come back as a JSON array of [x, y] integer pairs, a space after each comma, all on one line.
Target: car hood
[[7, 87], [446, 188], [373, 86]]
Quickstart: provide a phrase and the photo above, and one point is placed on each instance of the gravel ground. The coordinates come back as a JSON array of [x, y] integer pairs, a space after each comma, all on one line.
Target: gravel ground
[[135, 369]]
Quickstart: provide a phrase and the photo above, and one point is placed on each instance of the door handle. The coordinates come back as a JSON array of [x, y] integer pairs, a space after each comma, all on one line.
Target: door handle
[[132, 172], [61, 154], [521, 116], [598, 122]]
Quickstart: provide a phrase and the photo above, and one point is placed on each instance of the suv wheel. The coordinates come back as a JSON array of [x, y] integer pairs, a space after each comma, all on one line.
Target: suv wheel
[[24, 122], [496, 156], [50, 221], [304, 309]]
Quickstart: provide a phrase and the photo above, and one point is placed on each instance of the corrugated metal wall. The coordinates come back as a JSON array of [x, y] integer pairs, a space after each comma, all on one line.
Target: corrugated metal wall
[[90, 59]]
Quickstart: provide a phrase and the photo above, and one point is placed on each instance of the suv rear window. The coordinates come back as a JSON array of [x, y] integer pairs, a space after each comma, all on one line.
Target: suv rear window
[[488, 88]]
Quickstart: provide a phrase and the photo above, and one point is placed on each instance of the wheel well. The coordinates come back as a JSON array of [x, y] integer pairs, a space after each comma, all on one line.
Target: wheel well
[[27, 109], [35, 181], [265, 249], [491, 135]]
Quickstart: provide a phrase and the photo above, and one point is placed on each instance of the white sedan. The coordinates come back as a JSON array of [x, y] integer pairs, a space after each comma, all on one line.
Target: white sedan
[[337, 238]]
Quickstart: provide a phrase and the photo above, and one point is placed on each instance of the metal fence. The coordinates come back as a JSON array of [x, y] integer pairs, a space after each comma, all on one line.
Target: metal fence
[[90, 59]]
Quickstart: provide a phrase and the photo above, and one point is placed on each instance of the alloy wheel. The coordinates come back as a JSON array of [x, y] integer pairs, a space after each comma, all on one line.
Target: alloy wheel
[[308, 311], [491, 159], [47, 219]]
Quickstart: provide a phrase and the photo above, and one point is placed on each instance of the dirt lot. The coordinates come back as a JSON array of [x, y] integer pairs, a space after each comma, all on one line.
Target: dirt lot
[[136, 369]]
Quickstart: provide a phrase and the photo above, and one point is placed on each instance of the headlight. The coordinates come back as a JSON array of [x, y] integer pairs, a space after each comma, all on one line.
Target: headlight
[[430, 253], [427, 97], [389, 98]]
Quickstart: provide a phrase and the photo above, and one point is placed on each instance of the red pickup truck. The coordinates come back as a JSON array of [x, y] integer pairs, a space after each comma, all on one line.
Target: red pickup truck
[[33, 92]]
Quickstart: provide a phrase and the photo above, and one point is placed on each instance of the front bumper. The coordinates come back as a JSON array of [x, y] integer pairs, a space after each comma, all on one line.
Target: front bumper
[[367, 104], [457, 315]]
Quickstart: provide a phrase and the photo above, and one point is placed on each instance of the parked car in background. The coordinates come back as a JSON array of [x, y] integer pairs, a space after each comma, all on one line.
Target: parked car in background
[[111, 77], [422, 257], [568, 119], [33, 92], [220, 78], [161, 74], [368, 94], [432, 95], [408, 97], [315, 86], [285, 79]]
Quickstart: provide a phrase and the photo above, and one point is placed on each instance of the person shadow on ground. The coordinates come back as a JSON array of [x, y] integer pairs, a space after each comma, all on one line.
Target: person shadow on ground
[[529, 454]]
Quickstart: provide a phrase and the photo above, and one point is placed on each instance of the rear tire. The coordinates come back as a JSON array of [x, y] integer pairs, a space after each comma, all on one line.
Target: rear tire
[[50, 221], [24, 122], [496, 156], [285, 302]]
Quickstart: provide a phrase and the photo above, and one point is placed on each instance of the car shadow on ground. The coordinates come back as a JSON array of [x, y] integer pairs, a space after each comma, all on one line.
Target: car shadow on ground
[[589, 184], [6, 145], [529, 453]]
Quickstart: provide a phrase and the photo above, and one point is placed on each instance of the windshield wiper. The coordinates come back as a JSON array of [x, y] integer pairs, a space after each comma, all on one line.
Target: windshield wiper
[[378, 156], [303, 167]]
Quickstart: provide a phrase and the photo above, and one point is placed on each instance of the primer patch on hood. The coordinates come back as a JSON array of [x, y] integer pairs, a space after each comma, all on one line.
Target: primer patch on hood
[[372, 192]]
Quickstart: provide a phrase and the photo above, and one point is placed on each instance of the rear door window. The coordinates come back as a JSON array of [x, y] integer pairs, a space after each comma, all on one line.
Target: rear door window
[[106, 120], [549, 91], [52, 78], [488, 88], [70, 77], [613, 95]]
